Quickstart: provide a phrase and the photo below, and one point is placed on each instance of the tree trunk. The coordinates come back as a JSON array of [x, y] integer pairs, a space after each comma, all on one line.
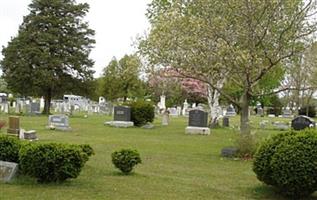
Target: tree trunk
[[244, 115], [213, 103], [47, 102]]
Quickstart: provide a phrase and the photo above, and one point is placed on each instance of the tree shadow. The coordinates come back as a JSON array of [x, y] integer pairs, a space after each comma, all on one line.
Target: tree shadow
[[269, 192]]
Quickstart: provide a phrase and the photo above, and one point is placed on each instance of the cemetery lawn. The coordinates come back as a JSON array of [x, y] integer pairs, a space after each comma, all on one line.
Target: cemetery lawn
[[175, 165]]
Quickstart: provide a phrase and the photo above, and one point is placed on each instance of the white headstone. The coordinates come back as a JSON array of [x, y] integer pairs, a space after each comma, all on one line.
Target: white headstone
[[42, 102], [162, 102], [185, 108]]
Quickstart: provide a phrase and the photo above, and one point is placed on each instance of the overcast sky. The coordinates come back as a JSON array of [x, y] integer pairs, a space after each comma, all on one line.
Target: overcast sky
[[116, 22]]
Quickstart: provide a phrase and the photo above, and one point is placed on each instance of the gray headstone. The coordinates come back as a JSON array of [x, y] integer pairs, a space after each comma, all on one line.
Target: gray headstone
[[8, 171], [198, 118], [3, 99], [58, 121], [302, 122], [231, 111], [225, 121], [35, 108], [122, 113], [229, 152]]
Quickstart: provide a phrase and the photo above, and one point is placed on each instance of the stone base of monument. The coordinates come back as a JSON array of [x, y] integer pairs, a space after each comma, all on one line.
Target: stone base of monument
[[8, 171], [30, 135], [192, 130], [120, 124], [59, 128]]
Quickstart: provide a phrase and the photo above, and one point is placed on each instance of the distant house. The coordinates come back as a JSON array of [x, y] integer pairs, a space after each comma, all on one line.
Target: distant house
[[76, 100]]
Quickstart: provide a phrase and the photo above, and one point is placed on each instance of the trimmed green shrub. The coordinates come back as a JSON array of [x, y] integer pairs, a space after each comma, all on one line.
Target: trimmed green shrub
[[288, 162], [125, 159], [87, 149], [9, 149], [308, 111], [142, 112], [52, 162]]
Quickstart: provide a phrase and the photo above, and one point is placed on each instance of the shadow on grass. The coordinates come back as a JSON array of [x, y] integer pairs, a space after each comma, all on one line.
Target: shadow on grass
[[269, 192], [120, 174]]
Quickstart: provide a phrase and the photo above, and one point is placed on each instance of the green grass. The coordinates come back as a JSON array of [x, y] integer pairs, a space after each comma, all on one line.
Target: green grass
[[175, 165]]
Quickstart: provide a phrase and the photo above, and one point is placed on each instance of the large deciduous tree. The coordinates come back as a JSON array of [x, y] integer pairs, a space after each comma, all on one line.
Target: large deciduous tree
[[121, 79], [50, 54], [236, 42]]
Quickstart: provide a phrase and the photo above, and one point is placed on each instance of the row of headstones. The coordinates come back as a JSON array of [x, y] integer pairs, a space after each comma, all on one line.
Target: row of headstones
[[31, 108], [199, 119]]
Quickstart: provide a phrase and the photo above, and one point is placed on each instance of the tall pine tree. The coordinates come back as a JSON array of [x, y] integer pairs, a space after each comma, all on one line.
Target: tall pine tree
[[50, 54]]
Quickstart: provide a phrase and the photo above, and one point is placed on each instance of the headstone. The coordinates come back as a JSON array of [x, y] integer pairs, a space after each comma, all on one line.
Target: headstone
[[3, 99], [72, 109], [162, 102], [179, 110], [185, 108], [8, 171], [148, 126], [260, 111], [165, 118], [231, 111], [122, 117], [302, 122], [122, 113], [59, 122], [6, 108], [280, 125], [225, 122], [42, 103], [198, 118], [197, 123], [173, 111], [229, 152], [35, 108], [30, 135], [14, 126]]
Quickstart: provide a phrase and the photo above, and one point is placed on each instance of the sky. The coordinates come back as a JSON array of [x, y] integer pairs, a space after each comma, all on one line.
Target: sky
[[117, 24]]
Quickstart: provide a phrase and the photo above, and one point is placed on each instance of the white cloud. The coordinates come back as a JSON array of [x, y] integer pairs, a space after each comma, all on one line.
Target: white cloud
[[116, 22]]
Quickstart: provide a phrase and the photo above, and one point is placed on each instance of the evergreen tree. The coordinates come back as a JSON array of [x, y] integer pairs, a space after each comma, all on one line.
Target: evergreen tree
[[50, 54]]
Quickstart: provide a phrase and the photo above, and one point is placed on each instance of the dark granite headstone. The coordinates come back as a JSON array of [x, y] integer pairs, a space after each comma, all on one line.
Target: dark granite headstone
[[229, 152], [302, 122], [122, 113], [198, 118], [8, 170], [225, 122]]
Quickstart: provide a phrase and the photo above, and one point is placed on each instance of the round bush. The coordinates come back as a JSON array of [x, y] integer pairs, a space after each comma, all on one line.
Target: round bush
[[142, 112], [87, 149], [308, 111], [9, 149], [288, 162], [125, 159], [52, 162]]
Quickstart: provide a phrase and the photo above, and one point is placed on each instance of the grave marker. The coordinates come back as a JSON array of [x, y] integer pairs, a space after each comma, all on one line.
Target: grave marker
[[197, 122], [8, 171], [14, 126], [59, 122], [302, 122]]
